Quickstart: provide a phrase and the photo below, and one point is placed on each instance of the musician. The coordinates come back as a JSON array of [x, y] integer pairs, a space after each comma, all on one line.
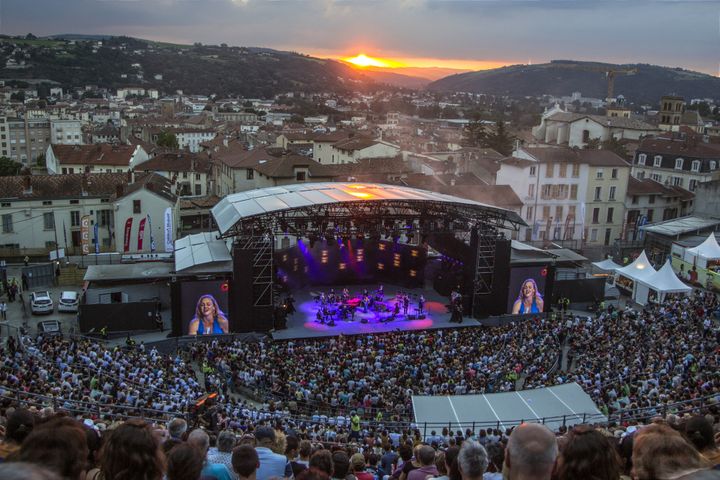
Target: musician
[[331, 296], [396, 311], [365, 302], [421, 304], [319, 316], [290, 304], [323, 299], [406, 304], [380, 293], [345, 294], [455, 296]]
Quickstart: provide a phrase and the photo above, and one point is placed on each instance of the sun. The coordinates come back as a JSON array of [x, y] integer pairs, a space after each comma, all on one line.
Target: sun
[[364, 61]]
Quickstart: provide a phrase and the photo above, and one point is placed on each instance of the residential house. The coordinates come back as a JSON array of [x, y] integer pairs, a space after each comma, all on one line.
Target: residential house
[[39, 210], [680, 159], [355, 148], [558, 127], [649, 201], [189, 173], [66, 132], [63, 159]]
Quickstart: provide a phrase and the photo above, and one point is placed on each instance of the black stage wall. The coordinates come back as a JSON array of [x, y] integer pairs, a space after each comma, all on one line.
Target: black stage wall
[[118, 317], [244, 315], [586, 290]]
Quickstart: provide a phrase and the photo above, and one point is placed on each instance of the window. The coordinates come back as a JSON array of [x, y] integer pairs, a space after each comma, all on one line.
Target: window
[[593, 235], [586, 136], [571, 211], [614, 173], [105, 217], [596, 215], [598, 193], [573, 192], [713, 164], [529, 213], [531, 190], [74, 218], [249, 174], [640, 175], [47, 202], [657, 161], [197, 177], [696, 166], [651, 199], [678, 181], [641, 159], [634, 199], [611, 197], [649, 215], [657, 177], [610, 215], [300, 176], [693, 185], [74, 202], [7, 223], [137, 207], [558, 212], [549, 170], [5, 204], [562, 173], [532, 171], [545, 192], [599, 173], [678, 163], [198, 189], [49, 221], [546, 212], [576, 170], [184, 175], [608, 234]]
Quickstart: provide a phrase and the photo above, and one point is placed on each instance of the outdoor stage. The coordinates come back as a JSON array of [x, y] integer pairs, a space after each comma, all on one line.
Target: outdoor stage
[[304, 323]]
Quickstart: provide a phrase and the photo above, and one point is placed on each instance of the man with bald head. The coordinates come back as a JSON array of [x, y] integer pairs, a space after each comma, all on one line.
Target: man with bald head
[[531, 453]]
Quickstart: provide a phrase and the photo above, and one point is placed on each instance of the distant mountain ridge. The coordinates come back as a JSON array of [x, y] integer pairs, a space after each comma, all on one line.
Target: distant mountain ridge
[[562, 77]]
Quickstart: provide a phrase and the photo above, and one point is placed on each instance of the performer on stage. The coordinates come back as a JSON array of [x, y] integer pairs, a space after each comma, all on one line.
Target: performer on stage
[[421, 304], [406, 303]]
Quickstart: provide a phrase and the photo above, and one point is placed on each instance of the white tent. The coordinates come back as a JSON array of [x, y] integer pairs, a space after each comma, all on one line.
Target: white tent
[[663, 281], [709, 250], [640, 269], [607, 265]]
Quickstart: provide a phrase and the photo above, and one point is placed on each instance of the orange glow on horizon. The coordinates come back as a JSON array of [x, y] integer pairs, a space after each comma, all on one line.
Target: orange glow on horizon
[[363, 60]]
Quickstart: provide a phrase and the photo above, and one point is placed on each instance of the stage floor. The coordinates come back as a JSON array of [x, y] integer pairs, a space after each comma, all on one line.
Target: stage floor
[[304, 323]]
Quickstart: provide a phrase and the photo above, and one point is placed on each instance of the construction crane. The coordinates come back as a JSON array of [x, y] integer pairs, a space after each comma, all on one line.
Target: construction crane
[[610, 72]]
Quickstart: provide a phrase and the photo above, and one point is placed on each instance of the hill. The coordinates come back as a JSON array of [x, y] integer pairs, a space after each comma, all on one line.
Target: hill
[[561, 77], [198, 69]]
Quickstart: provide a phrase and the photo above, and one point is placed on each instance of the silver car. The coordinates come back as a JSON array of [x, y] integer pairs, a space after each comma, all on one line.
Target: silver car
[[68, 302]]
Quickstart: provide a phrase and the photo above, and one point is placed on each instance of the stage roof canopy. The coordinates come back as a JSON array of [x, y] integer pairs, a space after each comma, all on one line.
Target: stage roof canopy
[[202, 250], [241, 210], [562, 403]]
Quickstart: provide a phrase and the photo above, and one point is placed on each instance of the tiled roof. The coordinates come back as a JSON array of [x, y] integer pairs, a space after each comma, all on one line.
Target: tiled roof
[[100, 154], [276, 163], [497, 195], [50, 187], [355, 143], [598, 158], [613, 122], [198, 202], [692, 147], [153, 182], [648, 186], [176, 162]]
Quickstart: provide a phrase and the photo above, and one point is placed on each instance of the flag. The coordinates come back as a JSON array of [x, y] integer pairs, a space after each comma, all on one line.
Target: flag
[[141, 234], [152, 239], [96, 234], [582, 220], [168, 230], [85, 234], [128, 231]]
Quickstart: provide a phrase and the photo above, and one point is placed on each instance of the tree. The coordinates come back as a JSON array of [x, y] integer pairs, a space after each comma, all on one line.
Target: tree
[[167, 139], [9, 167], [477, 134], [592, 144], [41, 160], [615, 146]]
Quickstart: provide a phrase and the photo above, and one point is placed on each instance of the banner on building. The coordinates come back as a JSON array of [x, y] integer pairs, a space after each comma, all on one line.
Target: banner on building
[[128, 230], [169, 247], [96, 235], [85, 234], [141, 234]]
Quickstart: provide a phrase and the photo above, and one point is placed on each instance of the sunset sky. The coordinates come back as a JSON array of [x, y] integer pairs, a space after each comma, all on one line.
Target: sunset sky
[[468, 34]]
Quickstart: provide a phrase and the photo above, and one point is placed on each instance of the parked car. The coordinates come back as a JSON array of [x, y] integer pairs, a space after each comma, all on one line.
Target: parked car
[[68, 302], [40, 302]]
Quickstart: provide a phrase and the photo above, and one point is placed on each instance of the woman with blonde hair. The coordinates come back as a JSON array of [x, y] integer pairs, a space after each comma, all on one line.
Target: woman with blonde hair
[[209, 319], [661, 453]]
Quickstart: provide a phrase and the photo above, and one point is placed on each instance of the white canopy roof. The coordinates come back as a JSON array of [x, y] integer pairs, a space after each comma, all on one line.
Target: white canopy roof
[[607, 265], [665, 281], [708, 249], [640, 269], [200, 249], [243, 205]]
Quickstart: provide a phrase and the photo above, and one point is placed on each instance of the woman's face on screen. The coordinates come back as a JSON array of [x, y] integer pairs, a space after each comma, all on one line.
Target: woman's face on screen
[[207, 308], [528, 289]]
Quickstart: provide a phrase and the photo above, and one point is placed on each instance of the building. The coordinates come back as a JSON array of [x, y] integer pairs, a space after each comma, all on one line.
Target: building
[[680, 159], [189, 173], [27, 139], [558, 127], [39, 210], [649, 201], [671, 112], [355, 148], [66, 132], [63, 159], [140, 218], [191, 138], [568, 194]]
